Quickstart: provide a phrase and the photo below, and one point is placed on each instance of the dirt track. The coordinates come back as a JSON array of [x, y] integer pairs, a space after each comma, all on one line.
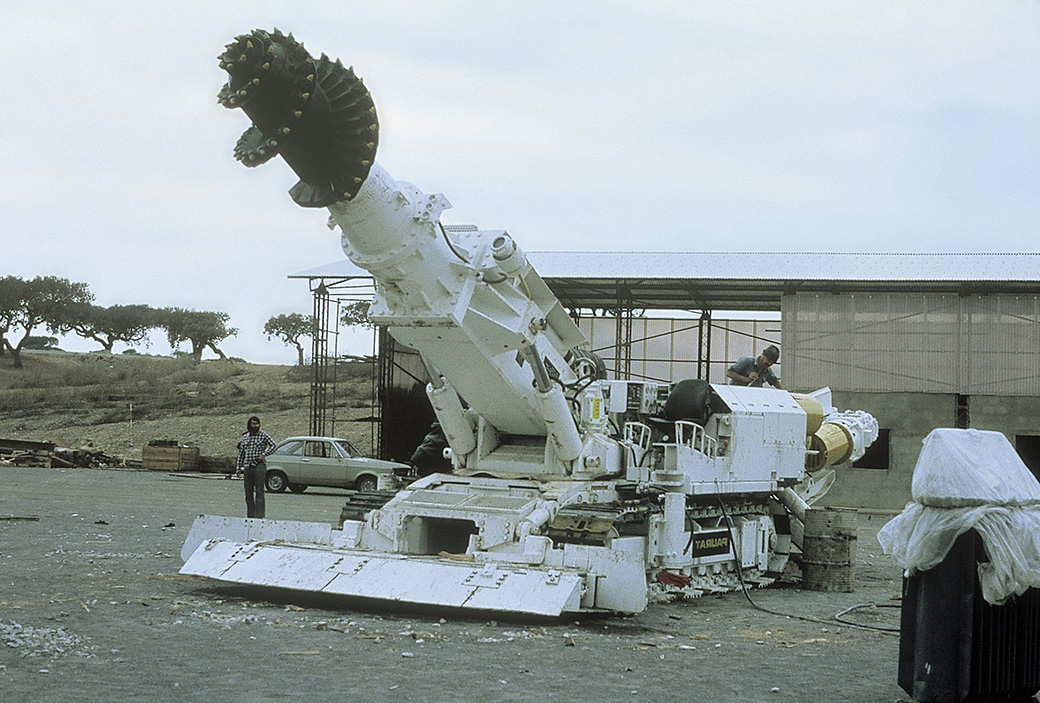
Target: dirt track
[[92, 609]]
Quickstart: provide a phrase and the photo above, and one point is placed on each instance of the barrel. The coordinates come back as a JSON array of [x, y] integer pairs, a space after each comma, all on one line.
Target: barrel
[[829, 550]]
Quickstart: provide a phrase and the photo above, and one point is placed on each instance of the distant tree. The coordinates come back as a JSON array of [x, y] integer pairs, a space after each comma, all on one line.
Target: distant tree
[[35, 342], [356, 314], [45, 300], [289, 328], [119, 323], [12, 292], [202, 329]]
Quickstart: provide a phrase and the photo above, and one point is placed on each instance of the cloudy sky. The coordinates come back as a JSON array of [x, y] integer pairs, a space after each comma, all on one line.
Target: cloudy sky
[[870, 126]]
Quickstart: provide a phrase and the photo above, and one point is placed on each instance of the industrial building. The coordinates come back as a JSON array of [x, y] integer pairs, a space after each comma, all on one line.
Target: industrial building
[[918, 340]]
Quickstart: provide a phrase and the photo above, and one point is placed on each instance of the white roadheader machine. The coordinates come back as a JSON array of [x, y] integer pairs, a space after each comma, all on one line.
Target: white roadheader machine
[[569, 492]]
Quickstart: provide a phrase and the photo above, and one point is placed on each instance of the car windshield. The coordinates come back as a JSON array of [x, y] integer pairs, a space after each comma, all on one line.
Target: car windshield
[[293, 447], [347, 447]]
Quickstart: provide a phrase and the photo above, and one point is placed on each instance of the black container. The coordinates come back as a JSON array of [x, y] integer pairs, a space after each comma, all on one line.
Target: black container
[[954, 646]]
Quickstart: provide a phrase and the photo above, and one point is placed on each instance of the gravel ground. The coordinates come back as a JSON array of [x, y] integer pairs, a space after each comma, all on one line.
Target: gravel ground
[[92, 609]]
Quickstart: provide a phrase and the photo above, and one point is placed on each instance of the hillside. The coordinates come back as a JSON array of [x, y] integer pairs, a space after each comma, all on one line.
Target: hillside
[[121, 402]]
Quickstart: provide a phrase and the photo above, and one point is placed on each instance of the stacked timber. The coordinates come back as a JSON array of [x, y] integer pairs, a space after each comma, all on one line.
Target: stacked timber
[[15, 452], [217, 464]]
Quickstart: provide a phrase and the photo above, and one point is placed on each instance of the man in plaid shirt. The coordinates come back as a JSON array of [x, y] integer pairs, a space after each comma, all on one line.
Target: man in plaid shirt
[[252, 453]]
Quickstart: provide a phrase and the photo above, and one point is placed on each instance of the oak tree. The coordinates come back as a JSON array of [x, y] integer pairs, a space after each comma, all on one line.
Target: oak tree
[[290, 328], [203, 329], [46, 301], [129, 324], [356, 314]]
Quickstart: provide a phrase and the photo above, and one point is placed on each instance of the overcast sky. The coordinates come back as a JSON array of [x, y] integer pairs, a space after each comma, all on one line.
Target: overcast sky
[[869, 126]]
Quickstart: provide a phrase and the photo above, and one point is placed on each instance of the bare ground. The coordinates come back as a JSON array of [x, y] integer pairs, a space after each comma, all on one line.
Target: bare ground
[[92, 609]]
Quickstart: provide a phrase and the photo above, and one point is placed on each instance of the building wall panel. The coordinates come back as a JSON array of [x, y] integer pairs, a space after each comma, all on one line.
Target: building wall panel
[[915, 343], [908, 417]]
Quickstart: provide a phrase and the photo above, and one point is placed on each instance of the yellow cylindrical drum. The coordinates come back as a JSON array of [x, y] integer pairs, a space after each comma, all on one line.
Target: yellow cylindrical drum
[[829, 550], [813, 412], [831, 444]]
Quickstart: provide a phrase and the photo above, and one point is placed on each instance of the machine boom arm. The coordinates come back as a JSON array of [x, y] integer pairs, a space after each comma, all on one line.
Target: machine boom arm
[[485, 324]]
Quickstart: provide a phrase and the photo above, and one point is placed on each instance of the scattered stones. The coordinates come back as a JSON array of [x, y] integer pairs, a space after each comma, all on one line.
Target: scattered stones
[[47, 642]]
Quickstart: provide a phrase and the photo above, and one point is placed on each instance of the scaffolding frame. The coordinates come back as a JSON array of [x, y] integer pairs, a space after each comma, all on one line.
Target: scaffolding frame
[[328, 299]]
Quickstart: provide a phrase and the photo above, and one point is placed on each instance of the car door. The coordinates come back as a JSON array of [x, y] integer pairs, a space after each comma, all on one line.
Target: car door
[[286, 458], [322, 464], [353, 460]]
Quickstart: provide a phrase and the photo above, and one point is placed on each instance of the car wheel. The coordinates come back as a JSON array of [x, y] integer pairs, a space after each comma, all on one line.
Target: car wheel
[[297, 487], [275, 481], [366, 483]]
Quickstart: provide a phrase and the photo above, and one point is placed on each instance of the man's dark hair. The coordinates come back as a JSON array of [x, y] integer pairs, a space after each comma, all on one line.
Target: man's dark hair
[[771, 353], [251, 420]]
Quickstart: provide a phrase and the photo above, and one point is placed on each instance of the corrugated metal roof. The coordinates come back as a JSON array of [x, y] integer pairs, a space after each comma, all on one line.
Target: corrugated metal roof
[[771, 266], [754, 281], [344, 268], [788, 266]]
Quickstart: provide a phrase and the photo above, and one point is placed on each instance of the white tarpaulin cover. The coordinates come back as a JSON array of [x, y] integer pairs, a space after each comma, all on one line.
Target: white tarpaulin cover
[[971, 479]]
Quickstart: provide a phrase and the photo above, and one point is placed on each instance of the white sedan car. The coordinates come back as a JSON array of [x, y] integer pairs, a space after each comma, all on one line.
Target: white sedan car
[[299, 462]]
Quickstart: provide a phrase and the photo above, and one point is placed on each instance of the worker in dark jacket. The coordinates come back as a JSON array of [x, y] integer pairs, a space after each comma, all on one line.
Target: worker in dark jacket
[[752, 371], [428, 458]]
